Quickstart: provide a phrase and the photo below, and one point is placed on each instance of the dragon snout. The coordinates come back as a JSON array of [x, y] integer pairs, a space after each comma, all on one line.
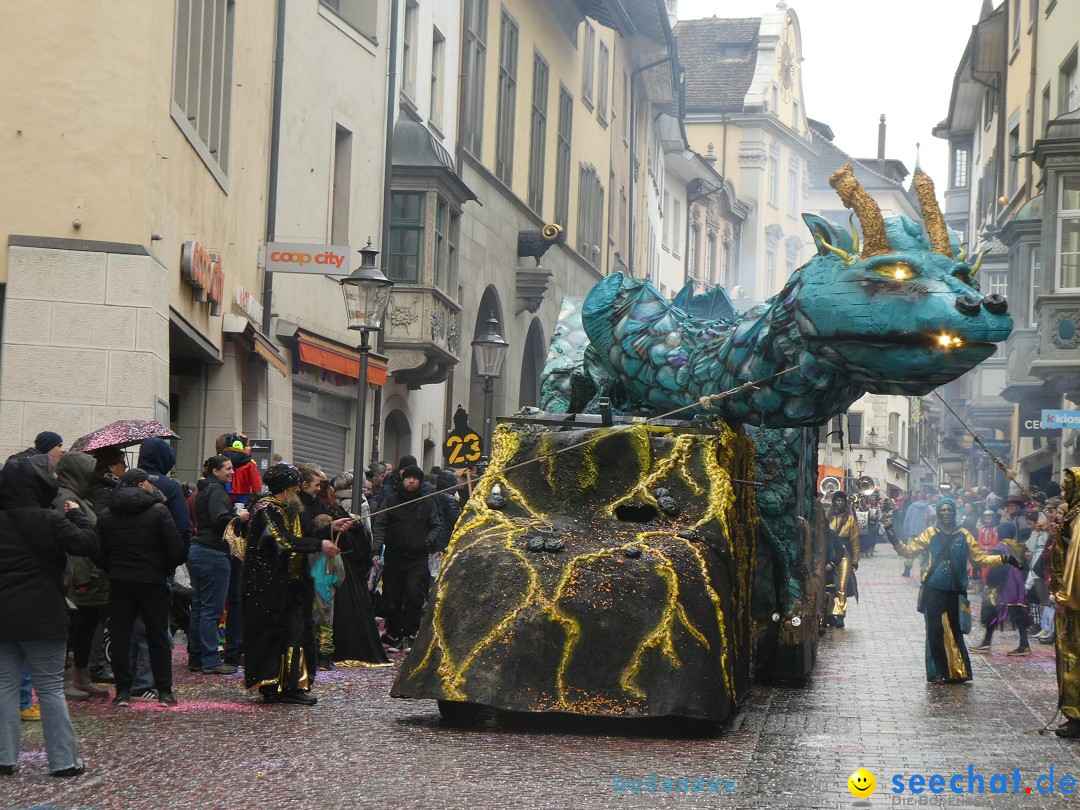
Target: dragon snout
[[996, 304], [969, 304]]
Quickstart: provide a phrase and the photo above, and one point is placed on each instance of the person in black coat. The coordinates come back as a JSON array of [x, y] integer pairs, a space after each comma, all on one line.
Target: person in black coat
[[34, 543], [410, 528], [140, 549]]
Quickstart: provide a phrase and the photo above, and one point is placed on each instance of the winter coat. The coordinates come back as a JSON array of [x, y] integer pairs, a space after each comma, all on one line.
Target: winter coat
[[139, 539], [409, 526], [246, 483], [213, 511], [449, 507], [89, 583], [35, 540], [915, 519], [157, 458], [100, 491]]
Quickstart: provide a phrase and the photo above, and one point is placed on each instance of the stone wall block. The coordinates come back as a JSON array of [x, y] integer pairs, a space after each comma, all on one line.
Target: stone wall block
[[136, 281], [107, 414], [152, 333], [56, 275], [11, 423], [132, 380], [93, 326], [28, 321], [70, 421], [58, 375]]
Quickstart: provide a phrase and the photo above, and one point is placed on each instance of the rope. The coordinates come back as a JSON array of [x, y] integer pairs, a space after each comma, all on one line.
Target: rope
[[704, 402]]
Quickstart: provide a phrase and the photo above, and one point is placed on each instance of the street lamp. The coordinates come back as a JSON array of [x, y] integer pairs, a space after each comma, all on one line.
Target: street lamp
[[860, 464], [367, 293], [489, 351]]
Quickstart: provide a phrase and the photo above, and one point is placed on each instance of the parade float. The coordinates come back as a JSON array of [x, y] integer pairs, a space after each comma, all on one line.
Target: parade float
[[650, 539]]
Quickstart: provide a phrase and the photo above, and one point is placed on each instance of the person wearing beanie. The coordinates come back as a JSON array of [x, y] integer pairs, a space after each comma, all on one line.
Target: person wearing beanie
[[49, 443], [279, 631], [140, 549], [1005, 595], [247, 483], [409, 526]]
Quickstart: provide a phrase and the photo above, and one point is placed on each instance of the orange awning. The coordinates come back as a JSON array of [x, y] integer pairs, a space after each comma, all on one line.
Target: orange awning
[[325, 354]]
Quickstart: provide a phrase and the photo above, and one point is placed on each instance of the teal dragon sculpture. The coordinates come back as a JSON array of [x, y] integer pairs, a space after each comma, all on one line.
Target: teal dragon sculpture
[[903, 314]]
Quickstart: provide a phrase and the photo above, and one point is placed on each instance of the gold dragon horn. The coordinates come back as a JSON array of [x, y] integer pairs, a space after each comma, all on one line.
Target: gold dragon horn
[[935, 222], [857, 198]]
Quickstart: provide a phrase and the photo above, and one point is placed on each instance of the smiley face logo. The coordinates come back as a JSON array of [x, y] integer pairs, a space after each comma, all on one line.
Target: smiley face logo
[[861, 783]]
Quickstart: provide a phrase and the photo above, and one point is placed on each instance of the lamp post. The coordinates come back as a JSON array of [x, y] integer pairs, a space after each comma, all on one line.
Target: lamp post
[[367, 293], [489, 351], [860, 464]]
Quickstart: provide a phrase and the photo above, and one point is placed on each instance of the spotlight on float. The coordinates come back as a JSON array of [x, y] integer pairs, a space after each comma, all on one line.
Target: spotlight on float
[[796, 621]]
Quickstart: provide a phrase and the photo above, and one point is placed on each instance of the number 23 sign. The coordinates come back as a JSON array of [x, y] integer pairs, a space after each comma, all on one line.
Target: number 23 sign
[[463, 448]]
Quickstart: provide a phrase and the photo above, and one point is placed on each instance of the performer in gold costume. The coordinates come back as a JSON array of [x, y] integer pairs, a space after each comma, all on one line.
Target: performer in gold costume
[[842, 544], [1065, 591], [946, 578]]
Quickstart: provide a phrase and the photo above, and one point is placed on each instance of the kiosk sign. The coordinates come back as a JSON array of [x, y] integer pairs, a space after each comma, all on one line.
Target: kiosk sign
[[1059, 420]]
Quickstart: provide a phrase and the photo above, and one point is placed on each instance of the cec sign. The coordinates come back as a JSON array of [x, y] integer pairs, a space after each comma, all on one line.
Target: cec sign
[[330, 260], [1031, 423], [1058, 420]]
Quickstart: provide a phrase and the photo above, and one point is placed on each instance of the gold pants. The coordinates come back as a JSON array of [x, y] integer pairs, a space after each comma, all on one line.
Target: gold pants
[[1067, 628], [841, 574]]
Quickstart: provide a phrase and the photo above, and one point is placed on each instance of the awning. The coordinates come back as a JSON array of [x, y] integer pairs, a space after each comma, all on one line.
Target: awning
[[892, 462], [333, 356], [244, 332]]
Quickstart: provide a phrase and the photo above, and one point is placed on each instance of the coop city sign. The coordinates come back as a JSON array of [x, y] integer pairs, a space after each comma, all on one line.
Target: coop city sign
[[280, 257]]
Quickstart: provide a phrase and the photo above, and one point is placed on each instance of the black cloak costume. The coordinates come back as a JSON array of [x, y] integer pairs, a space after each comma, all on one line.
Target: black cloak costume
[[279, 636]]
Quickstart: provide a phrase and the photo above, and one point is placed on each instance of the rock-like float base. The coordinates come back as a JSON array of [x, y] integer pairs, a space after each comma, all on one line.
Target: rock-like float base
[[598, 572]]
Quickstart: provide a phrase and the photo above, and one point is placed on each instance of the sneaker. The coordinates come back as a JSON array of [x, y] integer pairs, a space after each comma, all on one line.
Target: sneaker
[[33, 714], [74, 770], [166, 698], [220, 669], [103, 676], [404, 645], [1019, 651], [388, 640], [326, 663], [984, 647], [7, 770], [1041, 634], [1069, 730], [1050, 639], [299, 697], [122, 700], [144, 695], [194, 666]]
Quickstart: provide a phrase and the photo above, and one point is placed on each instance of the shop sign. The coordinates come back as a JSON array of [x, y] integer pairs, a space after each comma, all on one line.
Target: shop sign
[[1059, 420], [463, 447], [249, 304], [202, 270], [1002, 448], [280, 257], [1031, 423]]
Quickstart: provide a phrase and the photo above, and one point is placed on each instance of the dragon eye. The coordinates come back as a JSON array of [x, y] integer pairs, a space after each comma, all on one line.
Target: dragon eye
[[897, 271]]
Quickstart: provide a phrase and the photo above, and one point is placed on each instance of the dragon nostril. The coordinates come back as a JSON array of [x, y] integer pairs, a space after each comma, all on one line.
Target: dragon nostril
[[968, 304], [996, 304]]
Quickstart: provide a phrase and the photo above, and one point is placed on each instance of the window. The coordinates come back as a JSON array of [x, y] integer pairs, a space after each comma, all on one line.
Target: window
[[1069, 233], [202, 79], [989, 102], [444, 268], [504, 135], [590, 215], [1045, 107], [341, 195], [774, 175], [997, 283], [710, 258], [538, 133], [692, 251], [665, 239], [1016, 24], [408, 50], [626, 105], [406, 236], [562, 157], [894, 432], [1067, 77], [793, 186], [588, 65], [961, 157], [770, 270], [676, 227], [789, 264], [360, 14], [1014, 164], [728, 271], [438, 57], [1036, 269], [602, 86], [854, 429], [472, 80]]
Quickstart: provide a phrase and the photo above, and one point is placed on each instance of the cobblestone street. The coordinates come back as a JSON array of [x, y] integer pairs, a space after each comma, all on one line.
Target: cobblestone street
[[867, 706]]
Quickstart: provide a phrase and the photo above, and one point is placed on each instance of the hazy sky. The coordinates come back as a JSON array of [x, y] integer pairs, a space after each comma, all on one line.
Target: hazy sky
[[863, 58]]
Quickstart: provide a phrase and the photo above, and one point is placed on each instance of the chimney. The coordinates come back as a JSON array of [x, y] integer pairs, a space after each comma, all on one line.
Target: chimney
[[881, 138]]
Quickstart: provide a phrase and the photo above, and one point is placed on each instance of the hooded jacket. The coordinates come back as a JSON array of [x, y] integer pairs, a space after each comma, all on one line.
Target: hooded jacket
[[139, 540], [157, 457], [915, 518], [246, 483], [35, 540], [89, 584]]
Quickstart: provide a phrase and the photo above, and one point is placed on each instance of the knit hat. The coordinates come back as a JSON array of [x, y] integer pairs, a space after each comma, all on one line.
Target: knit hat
[[1006, 530], [46, 441], [280, 477], [412, 471], [408, 461], [133, 477]]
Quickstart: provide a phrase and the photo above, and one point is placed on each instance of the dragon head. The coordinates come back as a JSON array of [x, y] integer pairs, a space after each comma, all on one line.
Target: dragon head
[[903, 314]]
